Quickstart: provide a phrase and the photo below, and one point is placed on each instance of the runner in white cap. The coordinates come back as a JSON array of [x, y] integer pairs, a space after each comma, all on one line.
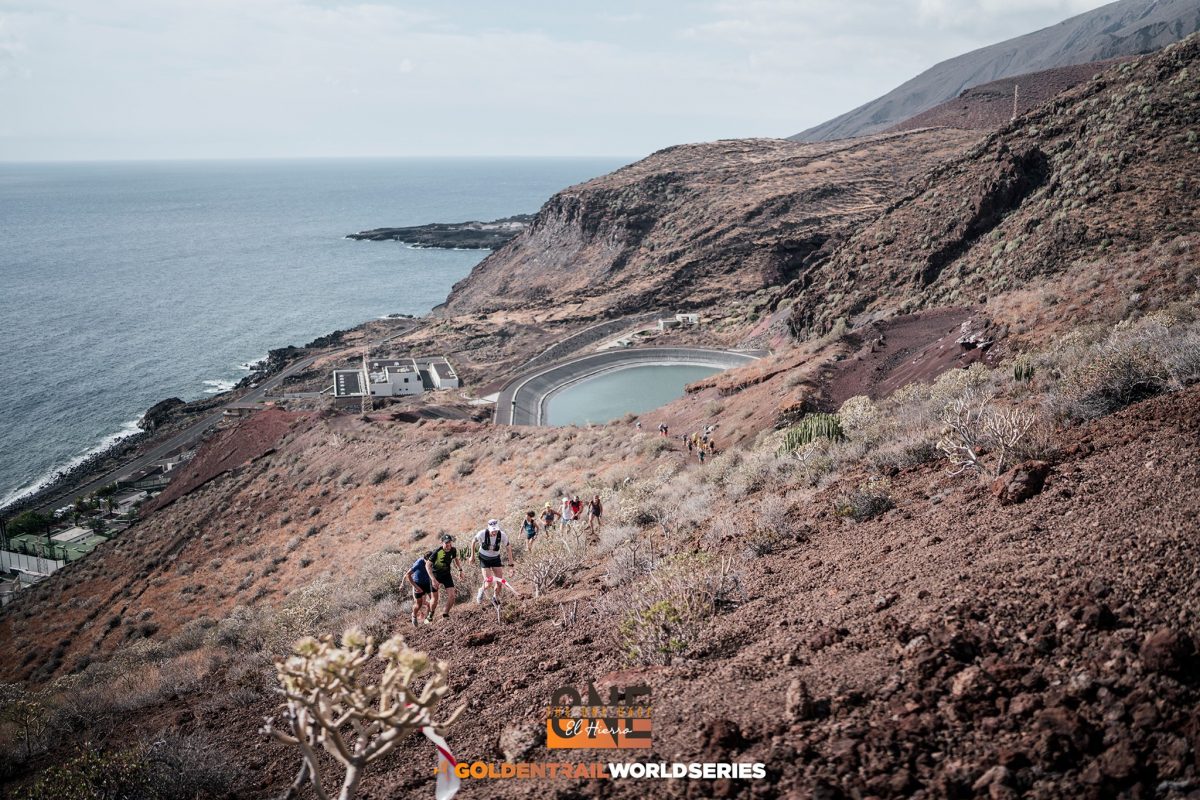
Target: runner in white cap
[[487, 545]]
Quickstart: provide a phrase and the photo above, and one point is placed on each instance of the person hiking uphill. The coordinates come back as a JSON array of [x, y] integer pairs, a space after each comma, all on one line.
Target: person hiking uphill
[[548, 517], [419, 579], [595, 511], [487, 545], [530, 527], [565, 514], [438, 565]]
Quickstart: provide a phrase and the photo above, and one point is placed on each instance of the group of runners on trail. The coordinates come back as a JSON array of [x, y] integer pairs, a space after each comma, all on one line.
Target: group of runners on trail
[[431, 575]]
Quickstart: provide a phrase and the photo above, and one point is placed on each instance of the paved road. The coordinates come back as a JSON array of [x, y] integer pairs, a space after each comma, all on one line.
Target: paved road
[[180, 441], [522, 399]]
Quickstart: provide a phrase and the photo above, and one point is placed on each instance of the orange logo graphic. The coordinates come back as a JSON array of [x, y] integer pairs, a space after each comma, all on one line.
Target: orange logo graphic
[[620, 721]]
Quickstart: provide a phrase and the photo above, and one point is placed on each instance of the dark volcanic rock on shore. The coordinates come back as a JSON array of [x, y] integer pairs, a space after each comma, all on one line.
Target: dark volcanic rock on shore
[[452, 235]]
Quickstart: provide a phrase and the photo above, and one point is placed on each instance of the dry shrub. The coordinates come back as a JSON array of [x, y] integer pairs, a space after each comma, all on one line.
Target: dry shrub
[[771, 524], [869, 500], [668, 609], [553, 561], [982, 436], [125, 683], [759, 470], [631, 561], [612, 536], [1098, 375], [1121, 370]]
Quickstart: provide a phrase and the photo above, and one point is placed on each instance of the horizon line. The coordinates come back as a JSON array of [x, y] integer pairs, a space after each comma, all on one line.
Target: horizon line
[[178, 159]]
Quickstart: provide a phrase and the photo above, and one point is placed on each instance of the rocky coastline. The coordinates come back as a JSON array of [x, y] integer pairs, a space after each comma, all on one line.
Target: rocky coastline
[[472, 235], [162, 419]]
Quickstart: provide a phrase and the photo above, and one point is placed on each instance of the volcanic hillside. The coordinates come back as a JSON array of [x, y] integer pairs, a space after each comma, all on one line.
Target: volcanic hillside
[[1125, 28], [977, 576], [695, 224], [989, 106], [1087, 202]]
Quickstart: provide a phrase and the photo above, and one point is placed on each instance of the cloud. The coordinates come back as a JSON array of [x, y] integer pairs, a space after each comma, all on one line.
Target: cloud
[[137, 78]]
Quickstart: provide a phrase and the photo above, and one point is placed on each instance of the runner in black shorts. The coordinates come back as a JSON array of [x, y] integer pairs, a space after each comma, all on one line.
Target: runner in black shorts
[[422, 587], [438, 564], [487, 545]]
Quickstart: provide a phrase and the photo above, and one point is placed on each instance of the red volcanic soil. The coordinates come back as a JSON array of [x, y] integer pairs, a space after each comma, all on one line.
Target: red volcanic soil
[[949, 648], [990, 105], [896, 352], [231, 448]]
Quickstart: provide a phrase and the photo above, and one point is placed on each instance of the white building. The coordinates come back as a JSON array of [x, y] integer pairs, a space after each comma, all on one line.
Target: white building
[[687, 319], [394, 378], [443, 375]]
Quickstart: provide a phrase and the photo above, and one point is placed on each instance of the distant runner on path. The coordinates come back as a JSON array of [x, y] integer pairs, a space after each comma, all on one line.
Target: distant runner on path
[[487, 545], [595, 511], [438, 566], [530, 527], [548, 517]]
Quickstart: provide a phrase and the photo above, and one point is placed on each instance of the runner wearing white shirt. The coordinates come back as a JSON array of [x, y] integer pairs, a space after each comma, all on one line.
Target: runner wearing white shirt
[[487, 545]]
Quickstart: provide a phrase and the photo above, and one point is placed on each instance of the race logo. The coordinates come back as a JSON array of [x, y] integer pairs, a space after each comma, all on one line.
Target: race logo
[[619, 721]]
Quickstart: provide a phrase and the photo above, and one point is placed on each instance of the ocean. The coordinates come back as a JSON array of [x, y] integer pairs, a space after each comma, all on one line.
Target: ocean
[[122, 284]]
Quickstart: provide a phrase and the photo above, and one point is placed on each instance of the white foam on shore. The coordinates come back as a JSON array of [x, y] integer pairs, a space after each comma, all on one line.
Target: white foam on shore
[[128, 429], [219, 385], [250, 366]]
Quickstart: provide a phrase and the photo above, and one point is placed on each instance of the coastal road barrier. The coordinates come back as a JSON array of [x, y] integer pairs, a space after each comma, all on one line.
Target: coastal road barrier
[[523, 400]]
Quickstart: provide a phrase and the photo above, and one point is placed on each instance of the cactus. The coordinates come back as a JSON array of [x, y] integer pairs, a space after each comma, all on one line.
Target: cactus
[[1022, 372], [809, 429], [331, 701]]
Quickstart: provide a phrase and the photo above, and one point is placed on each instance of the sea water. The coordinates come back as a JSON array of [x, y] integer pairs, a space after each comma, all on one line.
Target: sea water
[[122, 284]]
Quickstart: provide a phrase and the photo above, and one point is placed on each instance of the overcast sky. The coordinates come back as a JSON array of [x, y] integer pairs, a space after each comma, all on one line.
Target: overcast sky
[[117, 79]]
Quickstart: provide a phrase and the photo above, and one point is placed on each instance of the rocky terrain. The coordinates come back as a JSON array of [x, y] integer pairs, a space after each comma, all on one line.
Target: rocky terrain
[[1125, 28], [976, 577], [1027, 222], [989, 106], [691, 225], [452, 235]]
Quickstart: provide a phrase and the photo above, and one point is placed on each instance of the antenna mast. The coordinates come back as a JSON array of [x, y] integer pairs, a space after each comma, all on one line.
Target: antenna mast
[[368, 404]]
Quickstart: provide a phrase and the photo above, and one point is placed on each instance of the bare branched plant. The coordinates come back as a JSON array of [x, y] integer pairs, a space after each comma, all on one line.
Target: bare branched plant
[[553, 561], [981, 437], [330, 702]]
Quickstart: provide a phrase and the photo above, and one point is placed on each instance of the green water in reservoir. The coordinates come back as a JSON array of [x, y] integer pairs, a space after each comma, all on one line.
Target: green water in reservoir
[[610, 395]]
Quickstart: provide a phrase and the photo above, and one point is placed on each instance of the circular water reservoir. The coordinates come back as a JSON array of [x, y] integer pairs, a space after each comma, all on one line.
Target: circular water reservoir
[[610, 395]]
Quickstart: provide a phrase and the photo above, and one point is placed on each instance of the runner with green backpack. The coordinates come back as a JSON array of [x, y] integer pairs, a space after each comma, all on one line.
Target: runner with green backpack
[[438, 563]]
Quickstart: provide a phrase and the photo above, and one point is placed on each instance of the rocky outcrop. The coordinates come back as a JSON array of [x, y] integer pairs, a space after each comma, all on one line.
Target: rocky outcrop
[[1087, 198], [697, 224], [452, 236], [160, 413]]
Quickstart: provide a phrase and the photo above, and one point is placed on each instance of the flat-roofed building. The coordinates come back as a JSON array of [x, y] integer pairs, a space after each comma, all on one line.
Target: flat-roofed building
[[392, 377], [443, 375]]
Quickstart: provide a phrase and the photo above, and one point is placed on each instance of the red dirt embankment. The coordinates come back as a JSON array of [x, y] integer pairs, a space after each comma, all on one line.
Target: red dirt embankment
[[231, 448]]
